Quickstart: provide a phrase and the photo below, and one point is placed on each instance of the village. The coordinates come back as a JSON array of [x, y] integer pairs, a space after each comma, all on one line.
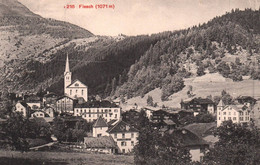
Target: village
[[115, 130]]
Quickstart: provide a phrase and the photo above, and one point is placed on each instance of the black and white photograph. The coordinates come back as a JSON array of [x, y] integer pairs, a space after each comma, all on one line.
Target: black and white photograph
[[130, 82]]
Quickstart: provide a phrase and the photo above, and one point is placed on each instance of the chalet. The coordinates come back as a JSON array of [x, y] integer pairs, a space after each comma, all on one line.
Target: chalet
[[91, 110], [196, 145], [250, 101], [100, 127], [102, 144], [131, 114], [199, 105], [23, 108], [124, 135], [236, 113], [64, 104]]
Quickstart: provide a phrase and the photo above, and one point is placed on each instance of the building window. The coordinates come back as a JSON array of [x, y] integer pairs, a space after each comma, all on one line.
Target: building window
[[132, 135], [123, 150], [70, 92], [123, 143], [224, 113], [123, 135], [89, 115], [115, 110], [229, 113], [76, 91], [115, 115], [234, 118], [115, 135], [132, 143], [82, 92]]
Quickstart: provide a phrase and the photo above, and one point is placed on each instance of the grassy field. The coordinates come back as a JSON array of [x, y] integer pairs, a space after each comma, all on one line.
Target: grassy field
[[62, 158], [202, 89]]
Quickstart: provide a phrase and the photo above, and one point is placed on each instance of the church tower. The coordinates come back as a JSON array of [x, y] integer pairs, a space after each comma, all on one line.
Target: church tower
[[67, 75]]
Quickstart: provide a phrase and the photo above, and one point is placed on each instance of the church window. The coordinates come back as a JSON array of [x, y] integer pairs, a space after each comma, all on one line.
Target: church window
[[82, 92], [70, 92], [76, 85]]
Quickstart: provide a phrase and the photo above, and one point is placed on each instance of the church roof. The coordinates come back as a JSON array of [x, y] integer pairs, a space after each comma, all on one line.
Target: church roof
[[74, 83], [100, 122], [122, 127]]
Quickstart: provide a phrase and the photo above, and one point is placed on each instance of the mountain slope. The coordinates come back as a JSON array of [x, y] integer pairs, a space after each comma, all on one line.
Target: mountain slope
[[228, 45]]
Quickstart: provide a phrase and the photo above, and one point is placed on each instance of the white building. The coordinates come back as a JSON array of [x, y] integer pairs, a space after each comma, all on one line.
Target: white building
[[22, 108], [91, 110], [75, 89], [124, 135], [100, 127], [236, 113]]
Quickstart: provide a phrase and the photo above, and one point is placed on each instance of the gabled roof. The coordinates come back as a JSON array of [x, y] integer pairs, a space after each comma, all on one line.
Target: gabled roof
[[77, 81], [237, 108], [189, 139], [122, 127], [199, 101], [221, 104], [24, 104], [100, 142], [100, 122], [201, 129], [63, 97]]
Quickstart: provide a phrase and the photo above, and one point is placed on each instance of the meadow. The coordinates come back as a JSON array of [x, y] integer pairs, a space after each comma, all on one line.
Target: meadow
[[62, 158]]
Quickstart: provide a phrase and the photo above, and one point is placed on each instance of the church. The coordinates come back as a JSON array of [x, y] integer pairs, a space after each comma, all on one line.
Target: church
[[75, 89]]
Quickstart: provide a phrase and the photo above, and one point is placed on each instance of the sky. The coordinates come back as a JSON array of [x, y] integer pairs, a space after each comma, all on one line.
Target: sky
[[135, 17]]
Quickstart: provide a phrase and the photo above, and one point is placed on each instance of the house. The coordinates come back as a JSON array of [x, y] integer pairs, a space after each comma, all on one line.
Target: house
[[250, 101], [39, 114], [102, 144], [23, 108], [149, 111], [76, 88], [199, 105], [237, 113], [64, 104], [100, 127], [124, 135], [196, 145], [204, 131], [50, 99], [49, 111], [129, 115], [34, 104], [91, 110]]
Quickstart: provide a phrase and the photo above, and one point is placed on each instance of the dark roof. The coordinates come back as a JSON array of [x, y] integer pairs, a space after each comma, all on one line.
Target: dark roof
[[100, 122], [122, 127], [189, 139], [100, 142], [63, 97], [169, 122], [200, 101], [201, 129], [97, 104], [24, 104], [111, 122]]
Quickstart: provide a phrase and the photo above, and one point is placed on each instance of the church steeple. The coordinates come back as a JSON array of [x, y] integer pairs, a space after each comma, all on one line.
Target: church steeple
[[67, 68], [67, 76]]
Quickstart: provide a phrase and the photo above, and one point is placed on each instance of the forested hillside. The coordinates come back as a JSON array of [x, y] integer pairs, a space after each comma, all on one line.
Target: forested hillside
[[228, 45]]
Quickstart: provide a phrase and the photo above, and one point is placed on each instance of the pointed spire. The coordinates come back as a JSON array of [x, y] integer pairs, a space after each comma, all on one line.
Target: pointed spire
[[67, 69], [221, 104]]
